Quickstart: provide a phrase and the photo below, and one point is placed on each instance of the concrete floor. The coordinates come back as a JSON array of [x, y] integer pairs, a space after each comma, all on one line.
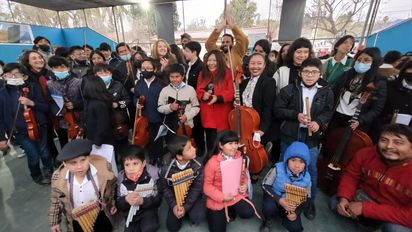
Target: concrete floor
[[24, 206]]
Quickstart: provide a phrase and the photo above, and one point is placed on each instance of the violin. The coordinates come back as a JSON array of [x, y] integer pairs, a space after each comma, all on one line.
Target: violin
[[340, 146], [141, 126], [72, 119], [184, 129], [30, 118], [245, 121]]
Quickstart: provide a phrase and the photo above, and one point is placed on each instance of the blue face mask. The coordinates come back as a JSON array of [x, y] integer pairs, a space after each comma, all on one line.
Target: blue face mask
[[361, 67], [179, 86], [61, 75], [106, 79], [126, 57]]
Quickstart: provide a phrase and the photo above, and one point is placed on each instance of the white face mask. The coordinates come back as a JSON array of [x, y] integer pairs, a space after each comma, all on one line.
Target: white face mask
[[15, 81]]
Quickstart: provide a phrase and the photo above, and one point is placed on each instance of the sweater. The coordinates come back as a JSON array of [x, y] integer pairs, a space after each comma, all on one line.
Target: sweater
[[390, 186]]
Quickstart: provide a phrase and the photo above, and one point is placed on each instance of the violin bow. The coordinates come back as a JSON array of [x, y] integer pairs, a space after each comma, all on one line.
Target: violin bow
[[12, 129]]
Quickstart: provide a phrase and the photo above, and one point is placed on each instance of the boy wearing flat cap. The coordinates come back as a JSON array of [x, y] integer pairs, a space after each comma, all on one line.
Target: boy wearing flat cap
[[81, 180]]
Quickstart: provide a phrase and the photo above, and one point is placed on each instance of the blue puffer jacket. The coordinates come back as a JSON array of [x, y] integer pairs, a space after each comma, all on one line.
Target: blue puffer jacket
[[283, 173]]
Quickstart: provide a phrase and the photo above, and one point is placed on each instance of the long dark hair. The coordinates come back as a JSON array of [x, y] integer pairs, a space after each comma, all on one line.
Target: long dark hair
[[407, 65], [99, 53], [370, 75], [93, 88], [341, 41], [25, 59], [223, 137], [298, 43], [221, 67], [280, 62]]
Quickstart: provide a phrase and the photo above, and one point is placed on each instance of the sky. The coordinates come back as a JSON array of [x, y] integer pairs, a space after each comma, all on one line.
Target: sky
[[211, 9]]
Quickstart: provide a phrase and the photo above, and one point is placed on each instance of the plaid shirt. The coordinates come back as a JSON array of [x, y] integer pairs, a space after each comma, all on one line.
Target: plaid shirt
[[60, 203]]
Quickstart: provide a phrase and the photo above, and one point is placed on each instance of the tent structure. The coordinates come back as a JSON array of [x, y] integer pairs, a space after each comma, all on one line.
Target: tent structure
[[395, 37]]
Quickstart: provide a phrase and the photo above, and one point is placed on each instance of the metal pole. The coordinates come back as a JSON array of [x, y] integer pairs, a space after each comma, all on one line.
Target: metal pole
[[11, 12], [184, 22], [224, 15], [115, 24], [85, 19], [60, 21], [122, 27], [366, 22], [148, 26], [316, 26], [373, 18], [270, 7]]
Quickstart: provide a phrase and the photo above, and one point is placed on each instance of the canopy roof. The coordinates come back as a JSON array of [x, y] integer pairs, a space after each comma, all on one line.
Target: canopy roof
[[63, 5]]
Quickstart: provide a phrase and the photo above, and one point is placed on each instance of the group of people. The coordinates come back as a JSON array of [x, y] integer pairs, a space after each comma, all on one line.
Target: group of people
[[86, 96]]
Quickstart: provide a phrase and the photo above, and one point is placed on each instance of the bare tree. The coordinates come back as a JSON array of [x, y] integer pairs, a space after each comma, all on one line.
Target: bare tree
[[336, 17]]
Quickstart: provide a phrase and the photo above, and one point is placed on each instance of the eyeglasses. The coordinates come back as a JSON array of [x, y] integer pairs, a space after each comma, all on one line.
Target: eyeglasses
[[313, 73], [15, 76]]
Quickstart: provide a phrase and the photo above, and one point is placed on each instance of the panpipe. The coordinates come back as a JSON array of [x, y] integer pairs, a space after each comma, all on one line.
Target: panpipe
[[143, 190], [295, 194], [181, 182], [86, 215]]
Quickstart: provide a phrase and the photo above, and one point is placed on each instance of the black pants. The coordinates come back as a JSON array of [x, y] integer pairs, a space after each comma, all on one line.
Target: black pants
[[210, 138], [155, 148], [102, 224], [269, 206], [198, 133], [196, 214], [148, 221], [217, 218]]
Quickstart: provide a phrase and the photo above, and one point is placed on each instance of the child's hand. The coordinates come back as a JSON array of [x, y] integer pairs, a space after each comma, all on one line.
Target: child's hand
[[133, 198], [227, 197], [174, 106], [286, 205], [113, 210], [55, 228], [313, 126], [243, 189], [302, 118], [291, 216], [179, 212]]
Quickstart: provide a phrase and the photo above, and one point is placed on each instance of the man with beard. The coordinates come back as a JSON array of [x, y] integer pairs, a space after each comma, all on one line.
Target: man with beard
[[79, 63], [376, 187], [237, 50]]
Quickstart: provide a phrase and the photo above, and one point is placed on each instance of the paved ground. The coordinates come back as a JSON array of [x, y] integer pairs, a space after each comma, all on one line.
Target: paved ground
[[24, 205]]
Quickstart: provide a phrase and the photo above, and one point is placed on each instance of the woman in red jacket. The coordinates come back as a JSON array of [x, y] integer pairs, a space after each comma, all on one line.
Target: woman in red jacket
[[215, 92], [218, 203]]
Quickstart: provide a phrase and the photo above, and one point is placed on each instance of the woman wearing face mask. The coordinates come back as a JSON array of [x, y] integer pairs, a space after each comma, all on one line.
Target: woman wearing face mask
[[63, 85], [350, 87], [12, 125], [149, 86], [138, 58]]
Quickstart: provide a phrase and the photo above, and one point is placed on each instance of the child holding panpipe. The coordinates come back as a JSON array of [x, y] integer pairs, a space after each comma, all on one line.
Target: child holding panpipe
[[183, 158], [305, 107], [81, 179], [292, 170], [218, 203], [137, 191]]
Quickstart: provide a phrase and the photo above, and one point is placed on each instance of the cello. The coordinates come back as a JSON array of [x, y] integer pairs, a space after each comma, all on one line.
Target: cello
[[141, 126], [30, 118], [72, 119], [245, 121], [340, 146]]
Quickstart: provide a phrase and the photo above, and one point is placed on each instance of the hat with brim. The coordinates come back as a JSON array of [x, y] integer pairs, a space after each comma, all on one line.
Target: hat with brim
[[75, 148]]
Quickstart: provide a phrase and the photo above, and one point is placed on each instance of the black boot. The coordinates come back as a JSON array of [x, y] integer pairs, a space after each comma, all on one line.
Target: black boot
[[310, 210], [266, 224]]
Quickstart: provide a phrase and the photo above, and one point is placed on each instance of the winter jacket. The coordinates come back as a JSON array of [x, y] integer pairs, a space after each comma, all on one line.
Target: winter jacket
[[193, 193], [289, 104], [98, 118], [215, 116], [125, 186], [151, 99]]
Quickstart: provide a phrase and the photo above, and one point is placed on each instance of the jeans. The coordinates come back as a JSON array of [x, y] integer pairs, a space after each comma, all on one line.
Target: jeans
[[313, 171], [385, 226], [36, 150]]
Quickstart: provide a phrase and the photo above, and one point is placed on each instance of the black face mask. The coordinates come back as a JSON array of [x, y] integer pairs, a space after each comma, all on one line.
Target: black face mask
[[407, 77], [81, 62], [44, 47], [138, 64], [146, 74]]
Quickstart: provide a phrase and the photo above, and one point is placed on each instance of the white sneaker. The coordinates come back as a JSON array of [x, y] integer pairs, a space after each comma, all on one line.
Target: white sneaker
[[21, 155]]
